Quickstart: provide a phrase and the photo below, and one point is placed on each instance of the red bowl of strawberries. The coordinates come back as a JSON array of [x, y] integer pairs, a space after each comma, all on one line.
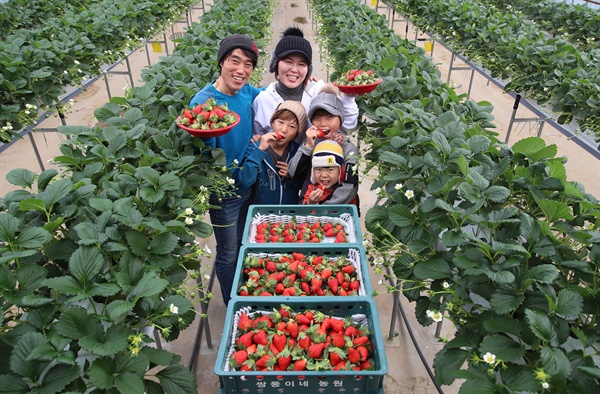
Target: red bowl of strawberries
[[358, 82], [207, 120]]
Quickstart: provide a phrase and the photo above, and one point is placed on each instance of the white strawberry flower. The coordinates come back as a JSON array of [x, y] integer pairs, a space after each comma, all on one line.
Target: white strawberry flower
[[173, 309], [489, 358]]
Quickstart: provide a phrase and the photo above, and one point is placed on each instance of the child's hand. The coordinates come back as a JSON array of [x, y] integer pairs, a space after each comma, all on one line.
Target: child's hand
[[265, 140], [255, 138], [283, 169], [311, 137], [315, 196]]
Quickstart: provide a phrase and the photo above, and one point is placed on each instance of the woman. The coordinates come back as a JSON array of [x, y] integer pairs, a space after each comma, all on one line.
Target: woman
[[292, 64]]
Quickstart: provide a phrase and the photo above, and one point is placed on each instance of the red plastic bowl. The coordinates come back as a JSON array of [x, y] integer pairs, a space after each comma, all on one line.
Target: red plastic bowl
[[210, 133], [358, 89]]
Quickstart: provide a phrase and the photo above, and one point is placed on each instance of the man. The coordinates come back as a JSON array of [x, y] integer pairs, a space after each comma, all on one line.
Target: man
[[237, 59]]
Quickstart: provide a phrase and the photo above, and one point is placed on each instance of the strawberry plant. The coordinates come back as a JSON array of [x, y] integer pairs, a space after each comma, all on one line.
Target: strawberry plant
[[207, 116], [492, 239], [286, 340], [297, 274]]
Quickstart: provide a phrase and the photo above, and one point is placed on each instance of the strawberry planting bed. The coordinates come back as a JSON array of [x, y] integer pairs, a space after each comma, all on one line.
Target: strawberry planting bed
[[326, 333], [309, 270], [302, 224]]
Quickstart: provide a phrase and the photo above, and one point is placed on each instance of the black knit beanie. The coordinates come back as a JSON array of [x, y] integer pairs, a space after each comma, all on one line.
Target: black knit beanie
[[293, 41], [234, 41]]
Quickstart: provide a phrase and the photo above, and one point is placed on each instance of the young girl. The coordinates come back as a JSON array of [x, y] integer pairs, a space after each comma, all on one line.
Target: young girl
[[327, 173], [266, 162]]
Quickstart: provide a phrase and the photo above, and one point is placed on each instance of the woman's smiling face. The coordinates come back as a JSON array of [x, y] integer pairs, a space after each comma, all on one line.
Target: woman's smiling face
[[292, 70]]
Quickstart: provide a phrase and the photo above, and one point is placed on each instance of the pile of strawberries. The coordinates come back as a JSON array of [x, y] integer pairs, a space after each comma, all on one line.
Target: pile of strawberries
[[287, 341], [357, 77], [299, 275], [299, 232], [207, 116]]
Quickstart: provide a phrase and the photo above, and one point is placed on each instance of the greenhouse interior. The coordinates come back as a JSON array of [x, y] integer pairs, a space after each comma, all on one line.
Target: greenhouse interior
[[465, 263]]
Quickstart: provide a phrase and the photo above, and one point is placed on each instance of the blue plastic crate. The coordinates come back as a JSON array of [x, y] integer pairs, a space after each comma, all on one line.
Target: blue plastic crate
[[356, 253], [296, 382], [346, 215]]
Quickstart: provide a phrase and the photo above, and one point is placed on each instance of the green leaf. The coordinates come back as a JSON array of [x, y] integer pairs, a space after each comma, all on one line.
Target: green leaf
[[119, 307], [58, 377], [64, 284], [163, 243], [138, 242], [21, 177], [148, 286], [158, 356], [555, 210], [128, 382], [497, 193], [529, 146], [392, 158], [85, 263], [400, 215], [569, 303], [435, 268], [505, 300], [32, 204], [177, 379], [13, 384], [555, 362], [76, 323], [88, 234], [8, 227], [33, 238], [148, 174], [57, 190], [590, 371], [101, 373], [101, 204], [544, 273], [105, 345], [441, 142], [24, 347], [541, 326], [503, 324], [446, 362], [503, 347], [478, 180], [169, 181]]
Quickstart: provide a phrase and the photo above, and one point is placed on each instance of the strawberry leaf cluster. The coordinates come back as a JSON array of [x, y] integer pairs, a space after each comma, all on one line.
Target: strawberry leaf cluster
[[284, 340], [299, 275], [300, 232]]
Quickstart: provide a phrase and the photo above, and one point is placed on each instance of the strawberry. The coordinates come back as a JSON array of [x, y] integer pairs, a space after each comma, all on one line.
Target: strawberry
[[279, 340], [333, 284], [304, 341], [338, 340], [284, 359], [353, 356], [266, 361], [300, 365], [330, 232], [278, 136], [238, 358], [351, 332], [315, 350], [298, 256], [289, 238], [320, 133], [279, 288], [361, 340], [366, 365], [292, 328], [321, 187], [340, 237], [364, 353], [348, 269], [245, 341], [339, 366], [274, 238], [316, 283], [354, 285], [260, 337], [244, 323], [271, 266], [337, 325]]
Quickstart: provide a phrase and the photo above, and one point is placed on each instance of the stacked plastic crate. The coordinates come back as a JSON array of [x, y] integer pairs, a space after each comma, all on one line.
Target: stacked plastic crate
[[301, 318]]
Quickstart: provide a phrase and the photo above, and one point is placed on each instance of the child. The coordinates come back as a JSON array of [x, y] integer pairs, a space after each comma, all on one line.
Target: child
[[326, 112], [327, 173], [266, 161]]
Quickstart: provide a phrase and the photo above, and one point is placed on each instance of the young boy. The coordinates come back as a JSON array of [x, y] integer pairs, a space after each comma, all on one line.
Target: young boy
[[326, 112], [326, 175], [266, 161]]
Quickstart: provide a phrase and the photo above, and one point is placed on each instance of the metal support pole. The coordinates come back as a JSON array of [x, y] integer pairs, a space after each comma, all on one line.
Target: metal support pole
[[450, 68], [512, 117], [36, 151], [470, 84], [203, 321]]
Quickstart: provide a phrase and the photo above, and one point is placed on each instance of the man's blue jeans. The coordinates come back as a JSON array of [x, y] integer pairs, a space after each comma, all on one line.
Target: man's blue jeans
[[228, 225]]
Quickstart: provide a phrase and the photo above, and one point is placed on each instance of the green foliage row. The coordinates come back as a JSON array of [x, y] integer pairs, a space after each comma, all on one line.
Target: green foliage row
[[30, 14], [576, 23], [94, 256], [493, 238], [37, 64], [549, 70]]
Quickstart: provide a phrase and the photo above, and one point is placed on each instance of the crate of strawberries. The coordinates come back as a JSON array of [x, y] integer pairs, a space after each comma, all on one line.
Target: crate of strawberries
[[267, 224], [305, 270], [302, 346]]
